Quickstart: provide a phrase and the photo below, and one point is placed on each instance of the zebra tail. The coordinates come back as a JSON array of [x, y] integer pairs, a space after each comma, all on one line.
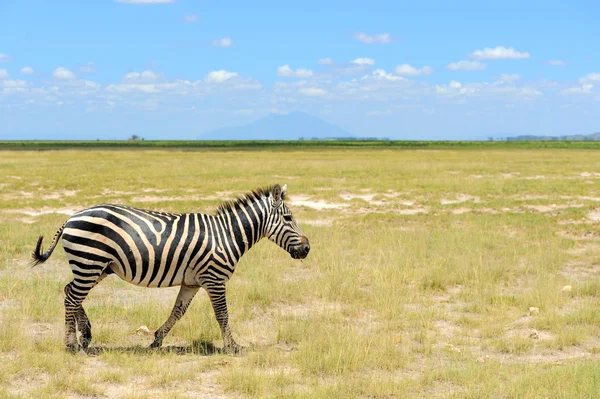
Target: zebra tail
[[39, 257]]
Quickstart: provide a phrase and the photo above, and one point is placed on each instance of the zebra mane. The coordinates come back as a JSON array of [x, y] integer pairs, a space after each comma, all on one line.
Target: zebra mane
[[245, 199]]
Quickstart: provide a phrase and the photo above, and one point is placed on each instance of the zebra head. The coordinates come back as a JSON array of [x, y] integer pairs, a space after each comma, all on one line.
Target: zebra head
[[281, 227]]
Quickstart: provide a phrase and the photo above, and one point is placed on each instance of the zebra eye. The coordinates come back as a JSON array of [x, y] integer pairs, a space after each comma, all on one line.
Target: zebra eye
[[287, 218]]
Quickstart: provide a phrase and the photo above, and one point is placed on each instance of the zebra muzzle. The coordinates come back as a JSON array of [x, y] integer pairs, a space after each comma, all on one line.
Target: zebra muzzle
[[301, 251]]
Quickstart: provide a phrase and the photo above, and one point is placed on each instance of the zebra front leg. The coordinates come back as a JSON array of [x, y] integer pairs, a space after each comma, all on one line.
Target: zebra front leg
[[185, 296], [219, 304]]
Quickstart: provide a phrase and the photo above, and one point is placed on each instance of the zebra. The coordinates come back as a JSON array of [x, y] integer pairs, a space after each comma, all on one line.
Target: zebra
[[159, 249]]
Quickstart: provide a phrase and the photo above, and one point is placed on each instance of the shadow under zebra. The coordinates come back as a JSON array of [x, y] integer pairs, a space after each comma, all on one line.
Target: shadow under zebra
[[198, 347]]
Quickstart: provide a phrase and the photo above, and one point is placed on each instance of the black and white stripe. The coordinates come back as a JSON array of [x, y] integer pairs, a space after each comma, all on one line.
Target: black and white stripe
[[157, 249]]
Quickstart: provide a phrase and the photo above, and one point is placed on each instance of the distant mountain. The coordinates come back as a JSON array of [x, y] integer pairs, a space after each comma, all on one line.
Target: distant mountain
[[291, 126], [574, 137]]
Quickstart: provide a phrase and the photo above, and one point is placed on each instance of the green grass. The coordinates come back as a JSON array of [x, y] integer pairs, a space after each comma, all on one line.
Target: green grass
[[422, 290], [292, 144]]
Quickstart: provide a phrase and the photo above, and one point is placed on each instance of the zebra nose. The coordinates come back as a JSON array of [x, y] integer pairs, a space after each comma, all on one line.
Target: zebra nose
[[305, 245], [306, 248]]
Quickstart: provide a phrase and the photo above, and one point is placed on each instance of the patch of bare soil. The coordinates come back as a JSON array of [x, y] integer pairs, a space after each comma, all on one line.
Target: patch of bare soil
[[303, 200], [24, 385], [577, 236], [319, 222], [460, 199], [40, 330], [580, 271], [460, 211], [43, 211], [589, 174], [153, 190], [60, 194], [594, 215], [552, 207], [588, 198], [414, 211], [582, 249], [365, 197], [530, 197]]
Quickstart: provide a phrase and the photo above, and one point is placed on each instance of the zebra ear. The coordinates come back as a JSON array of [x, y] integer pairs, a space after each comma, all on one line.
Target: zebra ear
[[283, 191], [276, 193]]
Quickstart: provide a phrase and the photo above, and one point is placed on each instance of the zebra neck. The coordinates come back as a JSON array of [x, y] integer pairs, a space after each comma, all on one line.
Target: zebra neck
[[243, 226]]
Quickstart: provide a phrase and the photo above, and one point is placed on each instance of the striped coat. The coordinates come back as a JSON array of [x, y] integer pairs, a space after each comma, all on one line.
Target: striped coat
[[157, 249]]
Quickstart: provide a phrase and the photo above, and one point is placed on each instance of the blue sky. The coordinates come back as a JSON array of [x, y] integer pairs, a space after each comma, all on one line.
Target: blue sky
[[165, 69]]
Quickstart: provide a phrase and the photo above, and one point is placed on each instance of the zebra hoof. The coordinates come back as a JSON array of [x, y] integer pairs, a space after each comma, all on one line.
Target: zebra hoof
[[72, 348], [155, 345], [235, 350]]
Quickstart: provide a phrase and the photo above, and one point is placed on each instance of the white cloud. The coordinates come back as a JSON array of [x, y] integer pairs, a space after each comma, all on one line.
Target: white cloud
[[4, 58], [590, 77], [380, 74], [559, 63], [190, 18], [313, 91], [179, 86], [219, 76], [409, 70], [367, 39], [376, 113], [464, 65], [249, 85], [145, 1], [587, 84], [498, 53], [3, 74], [287, 72], [131, 75], [224, 42], [14, 83], [509, 78], [145, 75], [455, 88], [63, 73], [326, 61], [363, 61], [583, 89], [89, 68], [26, 70], [149, 75]]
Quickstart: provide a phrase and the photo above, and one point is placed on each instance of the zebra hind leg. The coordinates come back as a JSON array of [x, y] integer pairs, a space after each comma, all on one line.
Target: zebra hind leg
[[75, 317], [184, 298], [84, 326]]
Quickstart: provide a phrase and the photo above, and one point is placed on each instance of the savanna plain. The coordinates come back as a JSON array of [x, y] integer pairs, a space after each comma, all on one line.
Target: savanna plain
[[433, 273]]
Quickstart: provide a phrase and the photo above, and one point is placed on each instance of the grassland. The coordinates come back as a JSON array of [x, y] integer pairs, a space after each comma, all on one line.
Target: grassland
[[204, 145], [449, 273]]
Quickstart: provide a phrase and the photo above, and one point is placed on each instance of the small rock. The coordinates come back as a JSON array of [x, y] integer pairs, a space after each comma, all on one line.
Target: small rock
[[567, 288], [143, 330], [533, 311], [534, 335]]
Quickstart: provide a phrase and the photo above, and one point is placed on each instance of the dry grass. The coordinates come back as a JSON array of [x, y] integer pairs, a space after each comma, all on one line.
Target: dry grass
[[423, 267]]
